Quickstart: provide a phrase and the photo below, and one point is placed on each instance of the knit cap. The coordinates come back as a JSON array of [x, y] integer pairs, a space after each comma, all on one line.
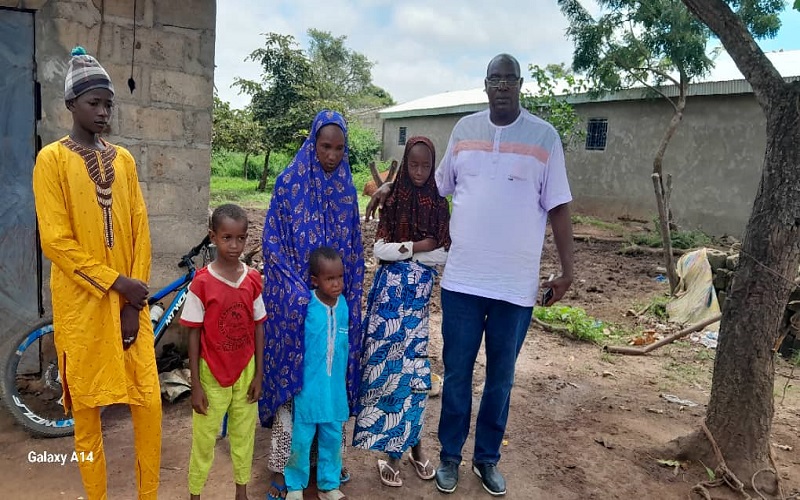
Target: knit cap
[[84, 74]]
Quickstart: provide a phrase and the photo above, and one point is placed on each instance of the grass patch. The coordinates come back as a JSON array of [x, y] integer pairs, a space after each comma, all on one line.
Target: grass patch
[[655, 307], [579, 324], [680, 239], [795, 359], [587, 220], [237, 190]]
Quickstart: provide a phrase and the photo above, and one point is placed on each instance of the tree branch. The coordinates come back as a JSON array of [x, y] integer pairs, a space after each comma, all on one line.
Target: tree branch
[[662, 94], [737, 40], [663, 74]]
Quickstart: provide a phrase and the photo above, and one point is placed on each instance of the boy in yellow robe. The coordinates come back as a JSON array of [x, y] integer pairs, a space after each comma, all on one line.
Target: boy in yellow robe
[[94, 229]]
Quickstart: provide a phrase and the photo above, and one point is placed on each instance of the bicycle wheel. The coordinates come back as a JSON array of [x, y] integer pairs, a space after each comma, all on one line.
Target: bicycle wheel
[[31, 383]]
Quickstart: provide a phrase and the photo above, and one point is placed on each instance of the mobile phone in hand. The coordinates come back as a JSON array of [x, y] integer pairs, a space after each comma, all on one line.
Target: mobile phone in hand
[[548, 292], [546, 296]]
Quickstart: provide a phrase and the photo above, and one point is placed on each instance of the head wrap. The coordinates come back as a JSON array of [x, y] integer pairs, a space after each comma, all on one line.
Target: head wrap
[[84, 74], [414, 213], [309, 208]]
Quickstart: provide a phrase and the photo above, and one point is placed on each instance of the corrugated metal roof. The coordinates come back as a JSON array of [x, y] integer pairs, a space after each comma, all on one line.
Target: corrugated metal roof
[[723, 79]]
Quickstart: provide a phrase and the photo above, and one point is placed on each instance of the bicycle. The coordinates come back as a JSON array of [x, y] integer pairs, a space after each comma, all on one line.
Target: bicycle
[[35, 396]]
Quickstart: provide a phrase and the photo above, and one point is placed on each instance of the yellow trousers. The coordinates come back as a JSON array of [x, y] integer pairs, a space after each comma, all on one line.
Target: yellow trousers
[[147, 442], [242, 419]]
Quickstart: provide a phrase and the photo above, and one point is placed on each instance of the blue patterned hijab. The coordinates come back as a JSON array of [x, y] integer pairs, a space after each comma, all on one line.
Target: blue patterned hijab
[[309, 208]]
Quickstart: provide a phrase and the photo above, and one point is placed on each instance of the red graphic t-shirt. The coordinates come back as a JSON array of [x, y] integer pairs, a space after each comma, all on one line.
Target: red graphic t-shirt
[[227, 313]]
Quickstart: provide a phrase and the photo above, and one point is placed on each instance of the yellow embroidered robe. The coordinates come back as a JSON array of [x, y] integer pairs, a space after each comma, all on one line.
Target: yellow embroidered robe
[[89, 247]]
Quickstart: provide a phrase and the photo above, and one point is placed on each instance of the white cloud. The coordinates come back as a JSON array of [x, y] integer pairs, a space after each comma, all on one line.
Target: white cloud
[[420, 47]]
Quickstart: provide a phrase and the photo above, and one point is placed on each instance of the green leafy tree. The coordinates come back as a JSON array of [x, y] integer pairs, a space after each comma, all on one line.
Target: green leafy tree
[[282, 102], [364, 146], [294, 86], [741, 408], [555, 83], [222, 122], [342, 74], [642, 43], [236, 130]]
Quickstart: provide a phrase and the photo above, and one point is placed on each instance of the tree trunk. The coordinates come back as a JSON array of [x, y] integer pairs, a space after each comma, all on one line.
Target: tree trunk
[[246, 157], [740, 410], [662, 193], [262, 184]]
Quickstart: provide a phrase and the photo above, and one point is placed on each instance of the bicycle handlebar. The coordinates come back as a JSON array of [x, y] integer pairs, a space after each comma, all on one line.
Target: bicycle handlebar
[[187, 259]]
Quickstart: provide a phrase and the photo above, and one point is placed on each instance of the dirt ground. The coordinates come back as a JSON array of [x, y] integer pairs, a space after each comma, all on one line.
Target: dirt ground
[[569, 399]]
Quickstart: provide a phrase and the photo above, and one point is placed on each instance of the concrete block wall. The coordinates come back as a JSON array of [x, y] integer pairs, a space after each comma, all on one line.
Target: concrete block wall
[[165, 122]]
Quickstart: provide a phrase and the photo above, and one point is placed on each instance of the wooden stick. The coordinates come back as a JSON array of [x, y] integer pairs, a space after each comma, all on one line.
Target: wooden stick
[[638, 351], [392, 171], [375, 176], [638, 249]]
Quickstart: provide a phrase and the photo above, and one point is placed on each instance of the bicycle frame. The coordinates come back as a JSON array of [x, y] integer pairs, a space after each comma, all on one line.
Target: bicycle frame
[[181, 285]]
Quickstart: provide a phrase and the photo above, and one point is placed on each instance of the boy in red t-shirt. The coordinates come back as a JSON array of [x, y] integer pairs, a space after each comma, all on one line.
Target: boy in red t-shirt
[[224, 311]]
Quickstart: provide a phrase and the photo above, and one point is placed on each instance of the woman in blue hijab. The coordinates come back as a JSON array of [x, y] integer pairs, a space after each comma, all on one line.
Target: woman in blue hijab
[[314, 203]]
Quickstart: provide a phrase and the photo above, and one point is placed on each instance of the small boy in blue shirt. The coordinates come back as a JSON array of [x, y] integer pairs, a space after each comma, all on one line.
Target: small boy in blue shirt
[[321, 407]]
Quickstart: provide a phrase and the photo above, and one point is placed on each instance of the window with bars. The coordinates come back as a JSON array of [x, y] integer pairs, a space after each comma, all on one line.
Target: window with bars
[[596, 134], [401, 137]]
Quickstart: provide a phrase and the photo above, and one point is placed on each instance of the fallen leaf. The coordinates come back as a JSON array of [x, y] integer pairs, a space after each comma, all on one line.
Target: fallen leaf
[[784, 447], [608, 374], [505, 442], [669, 463], [655, 410], [711, 474]]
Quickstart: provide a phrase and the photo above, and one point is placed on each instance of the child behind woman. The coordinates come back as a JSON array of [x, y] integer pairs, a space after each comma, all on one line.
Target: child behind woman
[[412, 236], [321, 407], [224, 310]]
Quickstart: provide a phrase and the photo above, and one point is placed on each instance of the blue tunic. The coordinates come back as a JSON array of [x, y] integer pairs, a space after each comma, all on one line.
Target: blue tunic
[[323, 397]]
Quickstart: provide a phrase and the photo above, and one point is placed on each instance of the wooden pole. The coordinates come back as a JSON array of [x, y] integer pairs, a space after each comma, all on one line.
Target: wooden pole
[[639, 351]]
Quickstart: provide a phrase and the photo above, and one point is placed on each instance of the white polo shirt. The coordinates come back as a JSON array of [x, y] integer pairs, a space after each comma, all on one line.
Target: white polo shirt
[[504, 181]]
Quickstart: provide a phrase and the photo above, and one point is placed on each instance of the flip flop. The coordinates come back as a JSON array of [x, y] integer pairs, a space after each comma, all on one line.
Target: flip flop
[[344, 477], [420, 468], [295, 495], [395, 482], [280, 489]]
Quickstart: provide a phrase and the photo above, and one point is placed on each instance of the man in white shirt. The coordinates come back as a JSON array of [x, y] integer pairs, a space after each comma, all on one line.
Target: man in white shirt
[[505, 169]]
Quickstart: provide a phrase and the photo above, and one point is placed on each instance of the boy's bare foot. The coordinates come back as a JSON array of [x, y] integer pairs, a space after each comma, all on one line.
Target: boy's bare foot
[[277, 489], [241, 492]]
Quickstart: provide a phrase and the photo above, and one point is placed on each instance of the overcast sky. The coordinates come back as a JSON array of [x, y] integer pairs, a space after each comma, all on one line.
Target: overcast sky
[[419, 47]]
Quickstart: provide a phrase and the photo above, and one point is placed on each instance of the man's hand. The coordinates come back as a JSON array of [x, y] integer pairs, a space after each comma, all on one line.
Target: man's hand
[[134, 291], [559, 286], [129, 317], [199, 399], [378, 199], [254, 391]]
